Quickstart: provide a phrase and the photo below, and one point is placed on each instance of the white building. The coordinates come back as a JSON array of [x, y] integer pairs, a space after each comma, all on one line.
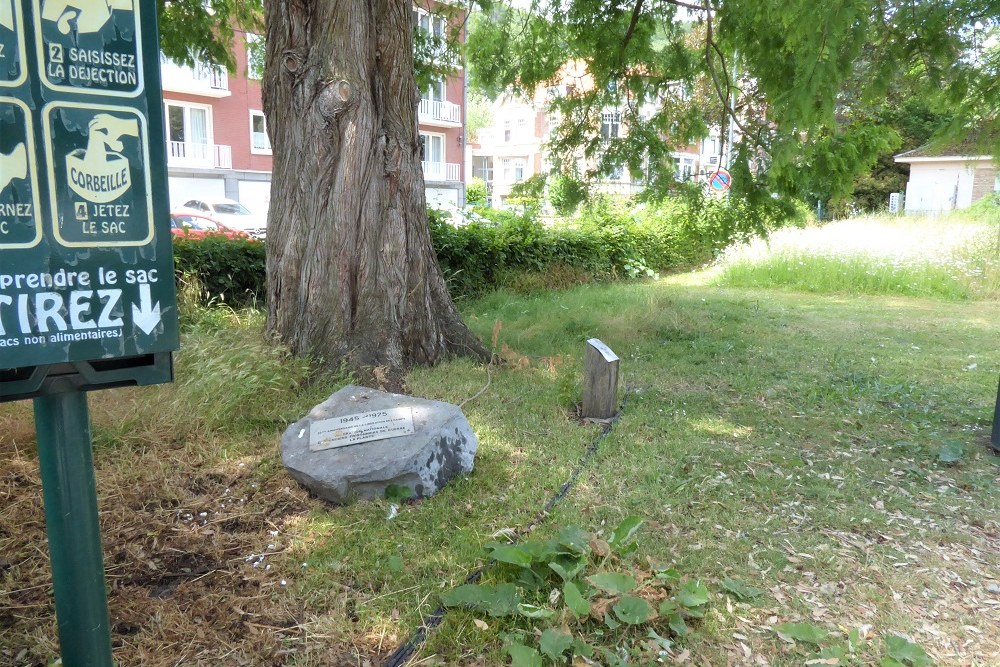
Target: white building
[[945, 179]]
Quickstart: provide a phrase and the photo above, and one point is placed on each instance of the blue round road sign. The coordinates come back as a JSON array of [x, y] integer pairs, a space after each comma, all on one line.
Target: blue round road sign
[[720, 180]]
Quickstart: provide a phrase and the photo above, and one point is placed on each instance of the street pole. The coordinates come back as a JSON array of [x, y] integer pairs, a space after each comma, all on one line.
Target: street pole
[[70, 492]]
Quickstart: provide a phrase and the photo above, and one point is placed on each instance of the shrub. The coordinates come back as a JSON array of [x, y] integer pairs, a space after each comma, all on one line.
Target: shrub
[[611, 239], [566, 194], [476, 192], [224, 269]]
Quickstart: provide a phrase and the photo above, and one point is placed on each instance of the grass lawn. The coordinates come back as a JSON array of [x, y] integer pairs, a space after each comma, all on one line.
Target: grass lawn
[[821, 453]]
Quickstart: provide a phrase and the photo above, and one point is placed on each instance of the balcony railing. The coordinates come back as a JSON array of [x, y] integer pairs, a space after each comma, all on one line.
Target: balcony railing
[[442, 171], [432, 110], [190, 154], [201, 79]]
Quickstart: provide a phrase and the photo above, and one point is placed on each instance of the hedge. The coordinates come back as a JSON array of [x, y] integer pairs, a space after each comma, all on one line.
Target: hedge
[[608, 240], [221, 269]]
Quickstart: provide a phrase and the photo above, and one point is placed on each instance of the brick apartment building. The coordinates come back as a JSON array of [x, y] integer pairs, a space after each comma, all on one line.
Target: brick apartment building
[[218, 146], [217, 142]]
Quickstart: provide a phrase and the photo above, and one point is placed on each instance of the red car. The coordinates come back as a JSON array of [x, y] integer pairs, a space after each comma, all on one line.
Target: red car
[[189, 225]]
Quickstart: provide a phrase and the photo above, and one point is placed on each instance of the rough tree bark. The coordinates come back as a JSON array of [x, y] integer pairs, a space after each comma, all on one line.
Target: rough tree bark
[[351, 272]]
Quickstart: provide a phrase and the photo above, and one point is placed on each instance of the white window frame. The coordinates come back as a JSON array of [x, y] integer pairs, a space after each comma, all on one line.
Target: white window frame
[[613, 121], [436, 25], [444, 148], [267, 138], [187, 106], [442, 87]]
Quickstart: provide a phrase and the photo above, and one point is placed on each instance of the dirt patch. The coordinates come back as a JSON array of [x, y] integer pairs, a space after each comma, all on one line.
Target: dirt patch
[[196, 558]]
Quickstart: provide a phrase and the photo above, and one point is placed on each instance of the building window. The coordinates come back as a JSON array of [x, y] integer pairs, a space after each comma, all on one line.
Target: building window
[[432, 148], [260, 142], [506, 130], [255, 56], [522, 128], [429, 24], [482, 167], [435, 92], [188, 124], [686, 168], [611, 123], [189, 134], [513, 170]]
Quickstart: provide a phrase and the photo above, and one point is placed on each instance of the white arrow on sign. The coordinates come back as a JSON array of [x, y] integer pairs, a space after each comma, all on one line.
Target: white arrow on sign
[[147, 314]]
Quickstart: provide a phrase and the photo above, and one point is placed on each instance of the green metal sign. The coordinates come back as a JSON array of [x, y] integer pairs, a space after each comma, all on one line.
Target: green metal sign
[[86, 266]]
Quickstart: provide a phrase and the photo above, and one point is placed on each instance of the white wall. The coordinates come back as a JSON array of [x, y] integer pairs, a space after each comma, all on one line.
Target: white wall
[[939, 186], [439, 197], [184, 189], [256, 196]]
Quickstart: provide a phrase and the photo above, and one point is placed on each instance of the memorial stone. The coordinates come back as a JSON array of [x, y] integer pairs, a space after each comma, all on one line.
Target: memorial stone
[[360, 441]]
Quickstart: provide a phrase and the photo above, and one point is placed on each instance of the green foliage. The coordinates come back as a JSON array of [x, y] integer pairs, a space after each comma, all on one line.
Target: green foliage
[[614, 583], [193, 30], [566, 193], [523, 656], [476, 192], [807, 79], [740, 590], [611, 239], [951, 452], [222, 269], [904, 652], [845, 275], [501, 600], [801, 632], [529, 192], [612, 608], [478, 114]]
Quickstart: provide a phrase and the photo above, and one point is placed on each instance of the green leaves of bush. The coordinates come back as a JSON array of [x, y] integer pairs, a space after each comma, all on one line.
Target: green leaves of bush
[[608, 240], [507, 249], [580, 588], [221, 268]]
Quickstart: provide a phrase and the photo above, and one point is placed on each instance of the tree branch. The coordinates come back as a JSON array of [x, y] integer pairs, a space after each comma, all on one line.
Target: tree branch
[[636, 13], [711, 46]]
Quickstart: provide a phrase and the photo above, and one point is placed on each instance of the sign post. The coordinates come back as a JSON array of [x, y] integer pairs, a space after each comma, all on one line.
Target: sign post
[[69, 490], [87, 296]]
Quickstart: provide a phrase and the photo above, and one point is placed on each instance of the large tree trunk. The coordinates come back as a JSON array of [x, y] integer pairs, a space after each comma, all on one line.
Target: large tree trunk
[[351, 272]]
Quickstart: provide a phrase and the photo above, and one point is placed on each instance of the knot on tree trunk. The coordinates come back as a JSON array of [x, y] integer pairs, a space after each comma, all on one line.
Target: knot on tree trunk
[[334, 98], [291, 60]]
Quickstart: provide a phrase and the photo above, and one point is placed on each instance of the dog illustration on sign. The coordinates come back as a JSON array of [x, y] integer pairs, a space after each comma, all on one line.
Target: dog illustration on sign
[[86, 16], [13, 165]]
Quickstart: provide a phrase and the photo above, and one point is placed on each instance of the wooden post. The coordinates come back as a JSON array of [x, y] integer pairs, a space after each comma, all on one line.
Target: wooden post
[[600, 381], [995, 434]]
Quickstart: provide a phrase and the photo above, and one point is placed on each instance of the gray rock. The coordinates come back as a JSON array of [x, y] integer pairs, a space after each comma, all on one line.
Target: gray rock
[[441, 446]]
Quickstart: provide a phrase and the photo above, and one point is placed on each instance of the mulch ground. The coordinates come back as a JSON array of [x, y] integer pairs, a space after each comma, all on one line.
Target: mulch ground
[[194, 557]]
